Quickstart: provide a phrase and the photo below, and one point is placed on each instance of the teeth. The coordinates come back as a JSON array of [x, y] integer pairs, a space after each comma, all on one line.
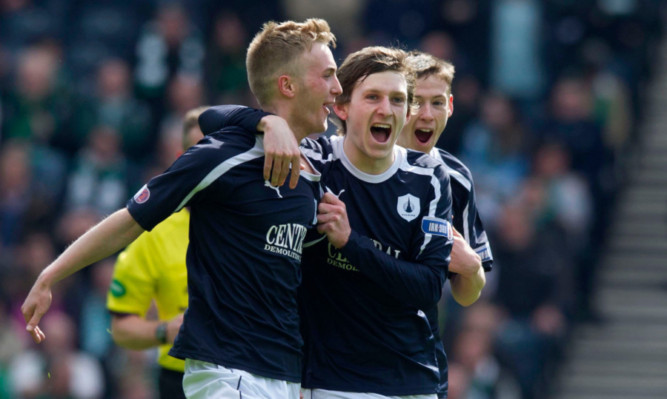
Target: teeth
[[425, 130], [381, 125]]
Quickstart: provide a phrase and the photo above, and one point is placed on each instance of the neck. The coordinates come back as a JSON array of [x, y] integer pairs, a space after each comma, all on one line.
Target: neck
[[366, 164], [284, 111]]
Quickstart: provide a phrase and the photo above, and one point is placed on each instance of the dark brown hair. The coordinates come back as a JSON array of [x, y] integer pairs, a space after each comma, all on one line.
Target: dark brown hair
[[367, 61]]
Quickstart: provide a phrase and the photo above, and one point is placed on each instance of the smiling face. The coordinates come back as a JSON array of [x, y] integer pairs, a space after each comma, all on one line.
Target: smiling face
[[317, 88], [374, 116], [435, 105]]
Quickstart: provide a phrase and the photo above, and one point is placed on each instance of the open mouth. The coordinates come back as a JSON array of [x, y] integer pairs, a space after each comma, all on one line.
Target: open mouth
[[423, 135], [381, 132]]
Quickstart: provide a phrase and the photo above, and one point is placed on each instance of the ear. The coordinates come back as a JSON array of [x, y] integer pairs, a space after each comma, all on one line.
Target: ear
[[450, 105], [341, 110], [286, 86]]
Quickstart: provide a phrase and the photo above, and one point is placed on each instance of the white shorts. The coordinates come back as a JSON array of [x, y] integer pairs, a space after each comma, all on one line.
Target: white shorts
[[326, 394], [203, 380]]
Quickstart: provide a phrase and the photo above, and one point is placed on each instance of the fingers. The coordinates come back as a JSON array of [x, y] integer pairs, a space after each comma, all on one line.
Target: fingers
[[328, 217], [268, 165], [37, 335], [329, 198], [277, 168], [32, 327], [456, 233], [278, 173], [294, 177]]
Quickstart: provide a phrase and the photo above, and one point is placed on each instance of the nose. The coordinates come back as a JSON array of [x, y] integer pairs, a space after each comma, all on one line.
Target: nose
[[384, 107], [425, 112], [337, 89]]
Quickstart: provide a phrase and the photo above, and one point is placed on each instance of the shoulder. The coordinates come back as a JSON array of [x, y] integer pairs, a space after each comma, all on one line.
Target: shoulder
[[229, 142], [417, 160], [321, 149], [454, 165]]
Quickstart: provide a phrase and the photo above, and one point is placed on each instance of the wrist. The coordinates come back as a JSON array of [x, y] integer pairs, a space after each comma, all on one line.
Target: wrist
[[161, 333], [267, 121]]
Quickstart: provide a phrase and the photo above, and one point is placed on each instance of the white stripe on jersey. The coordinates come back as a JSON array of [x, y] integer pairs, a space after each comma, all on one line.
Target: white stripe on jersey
[[452, 172], [256, 151], [315, 155], [433, 206]]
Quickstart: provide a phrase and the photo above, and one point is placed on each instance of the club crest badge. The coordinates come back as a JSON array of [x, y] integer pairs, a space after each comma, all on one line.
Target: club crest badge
[[142, 195], [408, 207]]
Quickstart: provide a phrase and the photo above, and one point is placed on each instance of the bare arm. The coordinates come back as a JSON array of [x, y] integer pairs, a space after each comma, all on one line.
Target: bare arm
[[137, 333], [469, 279], [280, 145], [104, 239], [281, 150]]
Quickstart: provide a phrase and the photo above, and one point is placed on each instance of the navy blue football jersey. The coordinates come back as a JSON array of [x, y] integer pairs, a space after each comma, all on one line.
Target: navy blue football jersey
[[469, 224], [244, 255], [364, 321], [363, 306], [464, 210]]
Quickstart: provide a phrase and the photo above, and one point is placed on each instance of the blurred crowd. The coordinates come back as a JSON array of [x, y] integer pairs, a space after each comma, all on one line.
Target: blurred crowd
[[547, 97]]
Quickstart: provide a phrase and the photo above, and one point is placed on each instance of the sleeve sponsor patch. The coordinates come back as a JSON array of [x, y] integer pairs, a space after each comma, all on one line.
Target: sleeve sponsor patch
[[437, 226], [117, 288], [142, 195]]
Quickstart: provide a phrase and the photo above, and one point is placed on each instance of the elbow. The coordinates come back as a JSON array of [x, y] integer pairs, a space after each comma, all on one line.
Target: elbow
[[428, 297], [121, 334], [467, 301], [120, 338]]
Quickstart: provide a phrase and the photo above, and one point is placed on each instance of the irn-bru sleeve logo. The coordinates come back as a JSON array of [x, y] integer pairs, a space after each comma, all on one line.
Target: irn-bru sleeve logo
[[142, 195], [437, 226]]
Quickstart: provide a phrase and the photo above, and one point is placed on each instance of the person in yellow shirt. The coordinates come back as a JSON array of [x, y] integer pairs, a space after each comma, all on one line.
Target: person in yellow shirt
[[152, 268]]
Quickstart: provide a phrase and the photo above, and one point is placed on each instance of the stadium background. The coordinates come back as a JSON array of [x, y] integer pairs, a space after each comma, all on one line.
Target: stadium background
[[548, 99]]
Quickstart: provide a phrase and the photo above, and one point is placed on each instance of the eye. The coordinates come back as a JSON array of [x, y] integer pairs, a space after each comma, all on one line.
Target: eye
[[372, 96], [398, 100]]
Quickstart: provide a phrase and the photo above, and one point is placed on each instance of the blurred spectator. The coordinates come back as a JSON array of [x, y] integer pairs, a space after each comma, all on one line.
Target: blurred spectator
[[342, 15], [25, 201], [168, 45], [56, 369], [516, 54], [99, 177], [567, 199], [225, 61], [495, 148], [572, 123], [11, 345], [38, 107], [535, 291], [95, 322], [185, 93], [467, 92], [388, 22], [467, 21], [113, 104]]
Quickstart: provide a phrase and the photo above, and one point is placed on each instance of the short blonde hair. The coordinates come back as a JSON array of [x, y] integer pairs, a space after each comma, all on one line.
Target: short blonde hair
[[426, 65], [275, 50]]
